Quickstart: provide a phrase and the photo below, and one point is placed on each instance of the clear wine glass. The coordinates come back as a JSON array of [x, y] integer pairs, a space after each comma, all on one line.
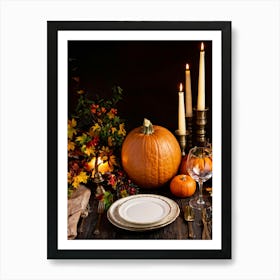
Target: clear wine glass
[[199, 166]]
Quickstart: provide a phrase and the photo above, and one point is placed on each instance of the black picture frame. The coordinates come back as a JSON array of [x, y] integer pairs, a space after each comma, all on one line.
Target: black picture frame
[[53, 252]]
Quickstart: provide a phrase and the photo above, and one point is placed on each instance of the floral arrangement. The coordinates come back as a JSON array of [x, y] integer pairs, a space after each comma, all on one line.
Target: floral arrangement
[[95, 136]]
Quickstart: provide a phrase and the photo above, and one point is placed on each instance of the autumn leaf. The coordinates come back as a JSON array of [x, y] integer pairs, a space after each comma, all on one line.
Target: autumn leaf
[[110, 141], [71, 128], [113, 161], [113, 129], [84, 138], [121, 130], [71, 146], [95, 129], [88, 150], [81, 178]]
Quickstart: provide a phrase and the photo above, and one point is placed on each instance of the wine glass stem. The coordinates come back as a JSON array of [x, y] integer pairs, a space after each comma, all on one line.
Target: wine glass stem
[[200, 196]]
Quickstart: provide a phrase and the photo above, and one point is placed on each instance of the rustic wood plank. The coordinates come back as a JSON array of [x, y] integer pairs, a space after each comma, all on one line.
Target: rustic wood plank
[[176, 230]]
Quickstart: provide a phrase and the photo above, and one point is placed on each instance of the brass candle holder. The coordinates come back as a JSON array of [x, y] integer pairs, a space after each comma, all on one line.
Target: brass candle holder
[[182, 140], [190, 131], [98, 179], [200, 123]]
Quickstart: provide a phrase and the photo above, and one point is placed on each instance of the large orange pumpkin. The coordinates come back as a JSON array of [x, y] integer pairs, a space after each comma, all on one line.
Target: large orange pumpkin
[[183, 185], [150, 155]]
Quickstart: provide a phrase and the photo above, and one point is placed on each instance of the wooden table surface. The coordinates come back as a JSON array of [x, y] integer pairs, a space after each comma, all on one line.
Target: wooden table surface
[[176, 230]]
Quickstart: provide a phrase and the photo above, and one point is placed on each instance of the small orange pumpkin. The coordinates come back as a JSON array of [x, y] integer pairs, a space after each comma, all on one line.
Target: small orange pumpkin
[[182, 185], [150, 155], [202, 163]]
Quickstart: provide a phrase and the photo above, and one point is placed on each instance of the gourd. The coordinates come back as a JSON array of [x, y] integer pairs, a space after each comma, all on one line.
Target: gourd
[[150, 155], [183, 186]]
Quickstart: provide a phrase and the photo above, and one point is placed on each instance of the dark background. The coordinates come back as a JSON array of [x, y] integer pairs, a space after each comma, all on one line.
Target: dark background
[[149, 72]]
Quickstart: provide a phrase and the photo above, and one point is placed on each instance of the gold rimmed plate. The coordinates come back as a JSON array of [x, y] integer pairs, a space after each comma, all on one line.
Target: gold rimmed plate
[[134, 212]]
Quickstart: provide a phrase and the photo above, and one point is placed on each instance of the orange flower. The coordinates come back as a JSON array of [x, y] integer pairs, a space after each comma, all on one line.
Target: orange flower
[[112, 113], [93, 108]]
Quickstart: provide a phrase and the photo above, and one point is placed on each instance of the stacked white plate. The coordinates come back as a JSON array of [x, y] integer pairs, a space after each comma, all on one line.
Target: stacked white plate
[[143, 212]]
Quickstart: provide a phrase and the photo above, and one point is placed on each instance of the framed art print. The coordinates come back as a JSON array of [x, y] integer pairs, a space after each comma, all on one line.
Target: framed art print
[[139, 140]]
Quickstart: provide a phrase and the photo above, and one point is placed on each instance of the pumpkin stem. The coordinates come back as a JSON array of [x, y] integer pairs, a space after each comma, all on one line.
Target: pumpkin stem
[[147, 127], [184, 178]]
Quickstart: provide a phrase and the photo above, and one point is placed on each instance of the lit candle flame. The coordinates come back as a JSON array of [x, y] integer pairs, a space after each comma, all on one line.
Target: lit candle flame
[[202, 46], [91, 164], [187, 66], [181, 87], [99, 161]]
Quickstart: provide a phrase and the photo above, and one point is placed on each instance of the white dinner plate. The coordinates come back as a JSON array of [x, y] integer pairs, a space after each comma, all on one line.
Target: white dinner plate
[[122, 212], [144, 209]]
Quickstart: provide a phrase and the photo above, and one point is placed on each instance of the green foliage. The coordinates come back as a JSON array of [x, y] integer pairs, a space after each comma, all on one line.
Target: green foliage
[[108, 199], [83, 111]]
